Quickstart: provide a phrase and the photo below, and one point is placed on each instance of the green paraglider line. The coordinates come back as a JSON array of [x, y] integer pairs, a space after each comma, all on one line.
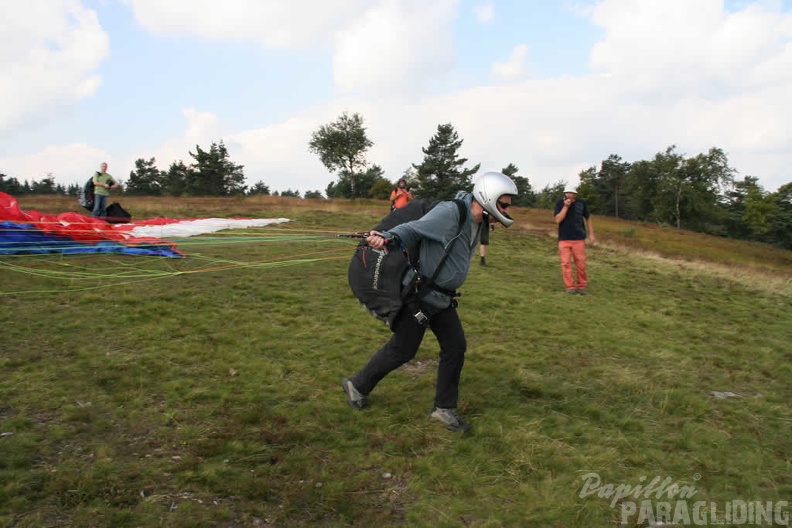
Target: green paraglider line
[[75, 268]]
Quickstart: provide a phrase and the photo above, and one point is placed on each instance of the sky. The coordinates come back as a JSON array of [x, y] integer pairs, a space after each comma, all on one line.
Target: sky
[[553, 87]]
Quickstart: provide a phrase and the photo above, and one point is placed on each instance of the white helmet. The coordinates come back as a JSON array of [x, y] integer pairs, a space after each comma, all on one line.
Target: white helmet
[[488, 189]]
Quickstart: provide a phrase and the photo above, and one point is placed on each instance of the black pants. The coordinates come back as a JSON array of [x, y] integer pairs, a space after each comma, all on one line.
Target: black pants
[[403, 346]]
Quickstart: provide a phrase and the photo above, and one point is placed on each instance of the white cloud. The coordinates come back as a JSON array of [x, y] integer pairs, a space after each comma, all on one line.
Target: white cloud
[[387, 45], [48, 59], [201, 128], [200, 125], [277, 155], [396, 47], [671, 72], [514, 68], [272, 23], [72, 163], [679, 47], [484, 12], [696, 75]]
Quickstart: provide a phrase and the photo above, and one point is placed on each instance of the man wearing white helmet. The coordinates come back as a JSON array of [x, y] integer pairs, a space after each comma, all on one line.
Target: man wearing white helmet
[[439, 228], [574, 226]]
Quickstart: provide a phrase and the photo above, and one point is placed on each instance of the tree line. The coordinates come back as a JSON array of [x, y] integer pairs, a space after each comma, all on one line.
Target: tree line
[[699, 193], [342, 146], [211, 173]]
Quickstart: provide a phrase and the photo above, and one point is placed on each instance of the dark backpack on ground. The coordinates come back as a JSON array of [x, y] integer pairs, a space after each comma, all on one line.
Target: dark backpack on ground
[[115, 214], [377, 276], [86, 198]]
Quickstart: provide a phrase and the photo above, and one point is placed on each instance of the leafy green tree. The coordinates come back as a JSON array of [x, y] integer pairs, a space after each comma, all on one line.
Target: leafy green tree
[[381, 189], [780, 232], [671, 189], [712, 176], [291, 194], [73, 189], [45, 186], [603, 190], [671, 186], [440, 175], [612, 178], [145, 180], [526, 196], [314, 195], [643, 186], [365, 181], [510, 170], [259, 188], [702, 183], [745, 214], [10, 185], [735, 207], [549, 195], [341, 146], [410, 175], [760, 207], [589, 189], [174, 181], [214, 174]]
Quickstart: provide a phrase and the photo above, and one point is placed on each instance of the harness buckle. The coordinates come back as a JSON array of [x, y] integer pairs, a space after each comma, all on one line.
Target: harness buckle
[[421, 318]]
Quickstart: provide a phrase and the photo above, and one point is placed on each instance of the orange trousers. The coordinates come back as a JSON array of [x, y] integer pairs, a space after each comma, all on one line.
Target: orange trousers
[[569, 250]]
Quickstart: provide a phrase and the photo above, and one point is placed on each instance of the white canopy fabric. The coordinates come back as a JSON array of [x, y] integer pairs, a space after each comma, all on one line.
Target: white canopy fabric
[[188, 228]]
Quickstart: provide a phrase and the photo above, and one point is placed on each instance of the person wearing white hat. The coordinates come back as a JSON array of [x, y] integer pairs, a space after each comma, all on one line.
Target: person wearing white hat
[[574, 226]]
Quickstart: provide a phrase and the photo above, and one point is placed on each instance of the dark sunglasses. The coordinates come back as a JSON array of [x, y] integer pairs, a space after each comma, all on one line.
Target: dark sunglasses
[[504, 205]]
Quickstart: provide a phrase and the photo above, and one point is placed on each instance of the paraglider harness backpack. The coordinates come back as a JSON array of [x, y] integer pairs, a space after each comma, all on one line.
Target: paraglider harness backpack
[[388, 280], [86, 197]]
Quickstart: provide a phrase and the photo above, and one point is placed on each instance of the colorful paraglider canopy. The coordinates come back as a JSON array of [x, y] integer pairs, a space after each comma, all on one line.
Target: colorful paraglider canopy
[[30, 232]]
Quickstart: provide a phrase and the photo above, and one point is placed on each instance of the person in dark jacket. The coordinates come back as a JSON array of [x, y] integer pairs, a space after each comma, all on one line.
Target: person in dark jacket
[[574, 226], [439, 228]]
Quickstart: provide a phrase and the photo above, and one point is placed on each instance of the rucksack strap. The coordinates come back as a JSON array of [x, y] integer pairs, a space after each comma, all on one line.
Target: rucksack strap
[[429, 283], [462, 217]]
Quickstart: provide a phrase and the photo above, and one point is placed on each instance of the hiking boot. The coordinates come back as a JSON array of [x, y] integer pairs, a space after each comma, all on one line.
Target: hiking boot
[[571, 291], [483, 261], [582, 291], [355, 399], [450, 419]]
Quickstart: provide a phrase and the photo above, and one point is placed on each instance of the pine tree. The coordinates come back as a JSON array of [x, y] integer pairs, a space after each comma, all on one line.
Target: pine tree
[[259, 188], [441, 175], [526, 195], [145, 180], [213, 174], [174, 181]]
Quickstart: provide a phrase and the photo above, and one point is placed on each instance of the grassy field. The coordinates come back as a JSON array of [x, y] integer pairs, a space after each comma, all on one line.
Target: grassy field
[[205, 391]]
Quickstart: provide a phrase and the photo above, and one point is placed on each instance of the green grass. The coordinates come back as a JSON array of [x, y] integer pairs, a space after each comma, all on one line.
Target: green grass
[[211, 397]]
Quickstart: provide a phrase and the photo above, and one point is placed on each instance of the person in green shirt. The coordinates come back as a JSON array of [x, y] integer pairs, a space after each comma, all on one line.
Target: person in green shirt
[[103, 182]]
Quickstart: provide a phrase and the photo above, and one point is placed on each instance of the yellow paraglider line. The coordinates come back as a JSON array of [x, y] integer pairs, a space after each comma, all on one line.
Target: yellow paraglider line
[[80, 270]]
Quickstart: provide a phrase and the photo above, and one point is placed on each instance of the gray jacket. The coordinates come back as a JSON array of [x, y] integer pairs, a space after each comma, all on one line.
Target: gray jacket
[[435, 231]]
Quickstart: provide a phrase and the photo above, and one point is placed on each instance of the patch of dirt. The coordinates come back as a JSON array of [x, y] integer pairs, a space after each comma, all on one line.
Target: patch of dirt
[[418, 367]]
